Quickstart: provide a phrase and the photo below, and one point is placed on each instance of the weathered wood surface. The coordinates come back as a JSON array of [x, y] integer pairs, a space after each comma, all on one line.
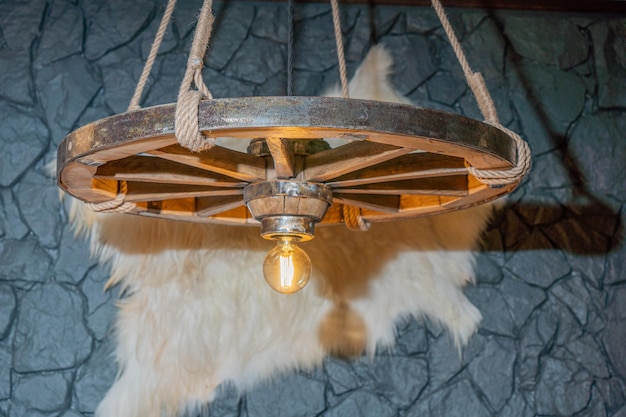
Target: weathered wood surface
[[399, 161]]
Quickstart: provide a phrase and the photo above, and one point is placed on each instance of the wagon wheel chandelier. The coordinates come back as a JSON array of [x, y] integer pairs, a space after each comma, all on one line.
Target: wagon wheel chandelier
[[399, 161]]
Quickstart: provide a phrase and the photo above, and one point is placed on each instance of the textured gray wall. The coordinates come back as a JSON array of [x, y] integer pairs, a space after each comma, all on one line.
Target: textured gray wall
[[551, 280]]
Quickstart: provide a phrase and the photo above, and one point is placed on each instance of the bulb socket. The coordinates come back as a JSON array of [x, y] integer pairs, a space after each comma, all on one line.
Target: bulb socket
[[287, 208], [297, 229]]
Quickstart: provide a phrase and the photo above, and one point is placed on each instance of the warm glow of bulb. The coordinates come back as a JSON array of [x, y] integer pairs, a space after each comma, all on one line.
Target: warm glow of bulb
[[287, 268]]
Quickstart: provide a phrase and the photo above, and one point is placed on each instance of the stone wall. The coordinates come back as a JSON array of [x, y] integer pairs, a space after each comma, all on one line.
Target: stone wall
[[551, 281]]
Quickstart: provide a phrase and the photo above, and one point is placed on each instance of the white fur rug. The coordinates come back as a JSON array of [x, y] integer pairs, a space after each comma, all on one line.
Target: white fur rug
[[197, 311]]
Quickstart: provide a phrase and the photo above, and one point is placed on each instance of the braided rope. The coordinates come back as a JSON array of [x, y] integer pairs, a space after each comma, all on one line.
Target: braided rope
[[488, 109], [353, 220], [483, 98], [290, 36], [508, 176], [199, 82], [186, 124], [351, 214], [117, 205], [154, 49], [341, 57]]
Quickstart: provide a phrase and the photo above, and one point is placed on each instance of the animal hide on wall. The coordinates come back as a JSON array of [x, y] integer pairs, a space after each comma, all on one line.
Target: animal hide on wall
[[197, 311]]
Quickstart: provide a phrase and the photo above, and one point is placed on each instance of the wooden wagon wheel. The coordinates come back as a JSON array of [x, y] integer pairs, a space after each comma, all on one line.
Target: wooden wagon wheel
[[398, 161], [401, 161]]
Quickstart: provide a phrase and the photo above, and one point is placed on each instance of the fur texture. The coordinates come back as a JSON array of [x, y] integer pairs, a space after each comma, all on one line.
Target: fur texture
[[197, 312]]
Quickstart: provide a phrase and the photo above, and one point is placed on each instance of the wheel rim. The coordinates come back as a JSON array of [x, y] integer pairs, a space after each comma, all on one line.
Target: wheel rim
[[399, 161]]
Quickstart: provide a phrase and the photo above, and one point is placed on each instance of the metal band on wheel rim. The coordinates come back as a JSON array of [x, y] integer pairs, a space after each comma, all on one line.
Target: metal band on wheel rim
[[405, 162]]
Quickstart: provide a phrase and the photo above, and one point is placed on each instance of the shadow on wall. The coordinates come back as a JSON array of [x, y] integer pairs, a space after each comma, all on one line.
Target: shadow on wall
[[578, 221], [573, 228], [585, 225]]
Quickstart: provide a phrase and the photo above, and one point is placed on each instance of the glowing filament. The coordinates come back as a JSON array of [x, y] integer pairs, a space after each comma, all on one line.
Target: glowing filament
[[287, 268]]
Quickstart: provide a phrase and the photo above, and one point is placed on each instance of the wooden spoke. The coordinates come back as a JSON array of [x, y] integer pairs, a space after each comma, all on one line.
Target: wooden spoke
[[412, 166], [167, 208], [194, 208], [210, 206], [147, 191], [384, 203], [479, 193], [217, 159], [412, 206], [413, 202], [157, 170], [283, 156], [326, 165], [238, 215], [450, 186], [406, 161]]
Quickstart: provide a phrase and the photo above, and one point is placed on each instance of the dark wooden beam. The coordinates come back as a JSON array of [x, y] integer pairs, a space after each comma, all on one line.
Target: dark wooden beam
[[595, 6]]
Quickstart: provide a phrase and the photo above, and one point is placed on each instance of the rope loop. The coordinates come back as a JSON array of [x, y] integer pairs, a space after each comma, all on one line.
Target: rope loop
[[199, 82], [495, 177], [187, 127], [117, 205], [353, 220], [487, 107], [186, 124]]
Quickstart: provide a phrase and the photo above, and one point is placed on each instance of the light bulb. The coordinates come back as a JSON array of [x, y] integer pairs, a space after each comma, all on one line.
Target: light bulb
[[287, 268]]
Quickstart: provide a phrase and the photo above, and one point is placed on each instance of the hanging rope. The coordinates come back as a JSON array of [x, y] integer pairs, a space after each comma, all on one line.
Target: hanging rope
[[489, 112], [290, 36], [351, 215], [154, 49], [117, 205], [186, 124], [341, 57]]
